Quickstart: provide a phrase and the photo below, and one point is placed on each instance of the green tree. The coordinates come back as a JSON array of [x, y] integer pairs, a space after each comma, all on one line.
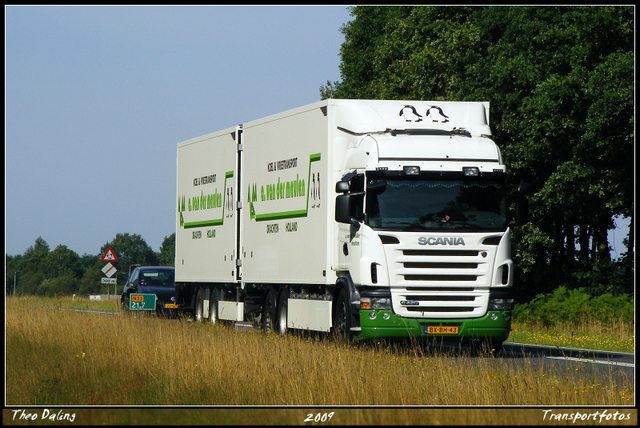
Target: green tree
[[28, 282], [88, 260], [362, 38], [560, 82], [63, 261], [33, 259], [31, 268], [91, 279], [405, 52], [11, 271], [66, 284], [168, 250]]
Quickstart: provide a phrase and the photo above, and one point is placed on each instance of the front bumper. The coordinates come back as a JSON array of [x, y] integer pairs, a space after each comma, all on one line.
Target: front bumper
[[494, 326]]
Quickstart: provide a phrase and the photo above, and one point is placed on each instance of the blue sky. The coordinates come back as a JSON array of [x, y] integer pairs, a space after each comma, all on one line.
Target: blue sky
[[97, 99]]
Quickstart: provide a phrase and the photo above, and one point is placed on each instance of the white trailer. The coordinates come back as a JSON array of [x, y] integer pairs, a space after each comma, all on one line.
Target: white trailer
[[367, 218]]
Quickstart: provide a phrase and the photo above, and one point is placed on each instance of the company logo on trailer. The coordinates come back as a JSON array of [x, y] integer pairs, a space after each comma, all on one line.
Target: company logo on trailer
[[435, 113], [432, 240]]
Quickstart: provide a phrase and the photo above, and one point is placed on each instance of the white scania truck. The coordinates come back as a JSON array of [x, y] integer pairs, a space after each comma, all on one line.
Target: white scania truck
[[367, 218]]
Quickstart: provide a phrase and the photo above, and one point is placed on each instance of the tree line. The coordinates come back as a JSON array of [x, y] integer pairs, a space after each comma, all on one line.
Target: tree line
[[560, 81], [41, 271]]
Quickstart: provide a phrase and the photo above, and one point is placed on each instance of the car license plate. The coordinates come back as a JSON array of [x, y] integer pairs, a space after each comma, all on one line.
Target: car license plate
[[432, 329], [171, 306]]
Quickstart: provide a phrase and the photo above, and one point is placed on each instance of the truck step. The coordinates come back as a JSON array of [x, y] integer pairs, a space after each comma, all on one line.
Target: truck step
[[243, 325]]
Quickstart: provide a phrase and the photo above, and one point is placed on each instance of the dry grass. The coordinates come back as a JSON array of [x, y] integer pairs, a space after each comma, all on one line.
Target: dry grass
[[58, 357]]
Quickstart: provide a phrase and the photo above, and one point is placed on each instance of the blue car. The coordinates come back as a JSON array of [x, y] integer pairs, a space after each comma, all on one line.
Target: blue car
[[158, 280]]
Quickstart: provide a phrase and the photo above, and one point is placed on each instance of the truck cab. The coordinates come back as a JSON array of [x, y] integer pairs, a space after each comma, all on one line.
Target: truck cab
[[424, 234]]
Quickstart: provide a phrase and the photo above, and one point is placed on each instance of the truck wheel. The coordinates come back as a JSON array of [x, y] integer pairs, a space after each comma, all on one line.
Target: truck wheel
[[342, 316], [281, 320], [213, 307], [198, 309], [269, 312]]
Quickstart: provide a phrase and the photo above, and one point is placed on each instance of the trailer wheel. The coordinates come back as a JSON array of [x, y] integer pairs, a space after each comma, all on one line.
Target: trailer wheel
[[213, 307], [198, 308], [342, 316], [281, 320], [269, 312]]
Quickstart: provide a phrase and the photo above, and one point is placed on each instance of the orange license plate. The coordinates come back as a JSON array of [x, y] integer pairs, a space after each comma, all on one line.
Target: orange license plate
[[441, 330]]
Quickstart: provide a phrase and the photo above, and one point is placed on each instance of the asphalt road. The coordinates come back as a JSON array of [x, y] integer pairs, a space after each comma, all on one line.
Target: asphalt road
[[619, 359], [555, 360]]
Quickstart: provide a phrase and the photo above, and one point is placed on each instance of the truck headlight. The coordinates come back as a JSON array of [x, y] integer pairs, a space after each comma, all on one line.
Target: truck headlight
[[411, 170], [380, 303], [500, 304], [471, 171]]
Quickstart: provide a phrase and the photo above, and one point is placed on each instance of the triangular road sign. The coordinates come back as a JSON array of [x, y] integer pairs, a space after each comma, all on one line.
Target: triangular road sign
[[109, 256]]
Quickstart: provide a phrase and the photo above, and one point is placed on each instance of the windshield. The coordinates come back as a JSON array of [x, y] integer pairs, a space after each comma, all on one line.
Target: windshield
[[465, 204], [158, 278]]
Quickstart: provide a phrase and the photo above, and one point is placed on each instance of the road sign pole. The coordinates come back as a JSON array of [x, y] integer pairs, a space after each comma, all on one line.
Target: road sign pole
[[110, 271]]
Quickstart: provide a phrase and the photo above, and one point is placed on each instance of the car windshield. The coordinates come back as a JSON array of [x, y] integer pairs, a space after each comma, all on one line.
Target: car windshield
[[158, 278], [465, 204]]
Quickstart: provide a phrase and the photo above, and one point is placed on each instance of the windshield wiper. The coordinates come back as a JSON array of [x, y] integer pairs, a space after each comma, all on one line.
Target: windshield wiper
[[406, 225]]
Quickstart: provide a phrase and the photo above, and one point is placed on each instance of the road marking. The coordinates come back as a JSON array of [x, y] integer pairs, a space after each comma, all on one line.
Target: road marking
[[586, 360]]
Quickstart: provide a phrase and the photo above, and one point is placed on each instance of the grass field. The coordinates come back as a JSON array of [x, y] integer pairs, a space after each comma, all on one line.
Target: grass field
[[617, 337], [72, 358]]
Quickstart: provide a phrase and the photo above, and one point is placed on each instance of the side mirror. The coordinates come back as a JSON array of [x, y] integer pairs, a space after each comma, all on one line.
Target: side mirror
[[348, 204], [343, 208], [342, 187], [524, 189]]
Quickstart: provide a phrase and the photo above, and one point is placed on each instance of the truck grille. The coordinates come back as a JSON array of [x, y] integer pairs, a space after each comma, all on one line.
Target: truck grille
[[442, 282], [454, 303]]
